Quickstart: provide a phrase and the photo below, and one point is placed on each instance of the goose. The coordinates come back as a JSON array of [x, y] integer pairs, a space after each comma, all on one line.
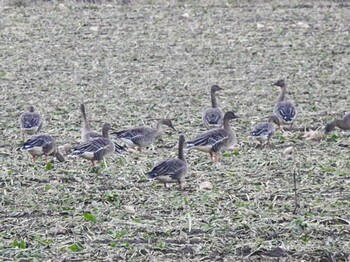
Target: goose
[[143, 136], [264, 131], [285, 111], [215, 140], [88, 135], [30, 122], [172, 170], [213, 117], [42, 145], [343, 123], [96, 149]]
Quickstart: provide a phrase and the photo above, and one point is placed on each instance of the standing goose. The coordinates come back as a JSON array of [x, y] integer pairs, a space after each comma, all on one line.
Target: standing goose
[[215, 140], [264, 131], [341, 123], [143, 136], [42, 145], [213, 117], [285, 111], [30, 122], [88, 135], [172, 170], [96, 149]]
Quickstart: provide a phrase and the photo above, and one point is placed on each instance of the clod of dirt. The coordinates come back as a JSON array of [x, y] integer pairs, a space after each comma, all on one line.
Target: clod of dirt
[[130, 209], [206, 185], [289, 150]]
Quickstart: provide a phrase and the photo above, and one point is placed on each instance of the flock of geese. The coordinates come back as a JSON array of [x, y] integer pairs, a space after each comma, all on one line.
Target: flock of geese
[[219, 136]]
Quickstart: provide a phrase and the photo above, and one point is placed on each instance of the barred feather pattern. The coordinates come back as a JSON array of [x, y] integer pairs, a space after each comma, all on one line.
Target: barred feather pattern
[[99, 147], [213, 118], [30, 122], [285, 111], [45, 142], [139, 136], [264, 130], [174, 168], [214, 138]]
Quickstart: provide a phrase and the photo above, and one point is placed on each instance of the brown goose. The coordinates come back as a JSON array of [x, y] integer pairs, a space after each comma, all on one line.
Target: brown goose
[[96, 149], [143, 136], [172, 170], [215, 140], [30, 122], [341, 123], [264, 131], [213, 117], [285, 111], [42, 145], [88, 135]]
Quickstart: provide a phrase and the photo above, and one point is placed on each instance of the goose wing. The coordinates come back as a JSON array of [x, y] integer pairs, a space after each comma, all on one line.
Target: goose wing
[[213, 138], [264, 129], [213, 117], [30, 120], [43, 141], [94, 135], [286, 111], [92, 146], [136, 135], [170, 167], [118, 148]]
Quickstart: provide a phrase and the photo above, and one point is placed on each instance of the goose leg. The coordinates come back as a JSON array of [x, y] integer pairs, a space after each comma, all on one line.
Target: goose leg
[[181, 185], [212, 156], [217, 158]]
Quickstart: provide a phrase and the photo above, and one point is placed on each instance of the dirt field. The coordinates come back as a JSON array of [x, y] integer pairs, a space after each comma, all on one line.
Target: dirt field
[[135, 63]]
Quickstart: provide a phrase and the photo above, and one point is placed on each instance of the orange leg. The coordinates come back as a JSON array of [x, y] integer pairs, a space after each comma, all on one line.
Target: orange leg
[[214, 157], [34, 158]]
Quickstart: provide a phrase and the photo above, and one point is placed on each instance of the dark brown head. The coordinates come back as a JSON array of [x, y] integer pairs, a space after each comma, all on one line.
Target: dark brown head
[[280, 83], [230, 115], [31, 109], [168, 123], [329, 128], [216, 88], [181, 139], [105, 129]]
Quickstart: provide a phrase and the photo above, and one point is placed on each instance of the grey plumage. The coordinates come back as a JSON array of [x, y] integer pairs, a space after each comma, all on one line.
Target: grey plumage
[[88, 135], [171, 170], [42, 145], [285, 111], [343, 124], [96, 149], [213, 117], [215, 140], [142, 136], [264, 131], [30, 122]]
